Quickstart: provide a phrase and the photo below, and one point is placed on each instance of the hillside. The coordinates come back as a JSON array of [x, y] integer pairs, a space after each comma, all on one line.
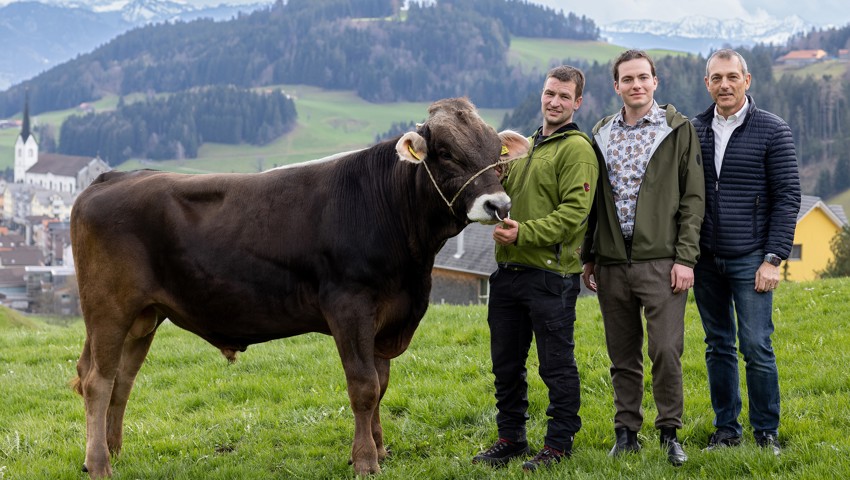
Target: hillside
[[10, 319], [329, 121]]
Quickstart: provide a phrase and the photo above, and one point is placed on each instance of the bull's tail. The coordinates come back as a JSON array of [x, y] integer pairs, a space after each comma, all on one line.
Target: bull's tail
[[76, 385]]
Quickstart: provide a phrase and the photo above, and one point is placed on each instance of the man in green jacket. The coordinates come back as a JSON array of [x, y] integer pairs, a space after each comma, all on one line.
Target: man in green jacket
[[533, 293], [639, 255]]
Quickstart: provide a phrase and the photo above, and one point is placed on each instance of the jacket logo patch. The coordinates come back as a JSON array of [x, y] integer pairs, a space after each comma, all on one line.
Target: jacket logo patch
[[586, 187]]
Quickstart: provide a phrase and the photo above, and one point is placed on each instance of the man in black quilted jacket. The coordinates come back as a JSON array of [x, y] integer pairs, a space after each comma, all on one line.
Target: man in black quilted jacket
[[752, 193]]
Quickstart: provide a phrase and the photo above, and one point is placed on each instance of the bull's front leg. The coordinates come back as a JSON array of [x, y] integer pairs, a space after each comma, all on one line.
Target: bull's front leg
[[382, 366], [363, 392], [352, 325]]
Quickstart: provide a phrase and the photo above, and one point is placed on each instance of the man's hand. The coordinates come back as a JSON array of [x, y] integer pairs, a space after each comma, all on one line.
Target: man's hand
[[767, 277], [681, 278], [588, 276], [506, 232]]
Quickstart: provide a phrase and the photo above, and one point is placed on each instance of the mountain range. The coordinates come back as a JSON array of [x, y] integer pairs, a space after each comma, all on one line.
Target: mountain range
[[38, 36], [699, 34]]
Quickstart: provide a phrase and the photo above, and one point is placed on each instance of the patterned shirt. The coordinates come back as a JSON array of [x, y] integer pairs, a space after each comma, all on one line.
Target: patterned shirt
[[628, 153]]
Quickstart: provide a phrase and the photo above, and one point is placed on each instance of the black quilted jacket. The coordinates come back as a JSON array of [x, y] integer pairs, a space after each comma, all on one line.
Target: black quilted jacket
[[754, 203]]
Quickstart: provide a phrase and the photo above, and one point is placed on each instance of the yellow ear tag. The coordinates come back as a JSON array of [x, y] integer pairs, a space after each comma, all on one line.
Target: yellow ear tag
[[505, 150], [412, 152]]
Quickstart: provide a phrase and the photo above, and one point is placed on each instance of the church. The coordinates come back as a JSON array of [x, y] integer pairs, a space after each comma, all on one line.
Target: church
[[51, 171], [45, 184]]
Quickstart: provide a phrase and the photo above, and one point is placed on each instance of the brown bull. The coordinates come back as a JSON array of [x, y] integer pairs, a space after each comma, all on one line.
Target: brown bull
[[343, 247]]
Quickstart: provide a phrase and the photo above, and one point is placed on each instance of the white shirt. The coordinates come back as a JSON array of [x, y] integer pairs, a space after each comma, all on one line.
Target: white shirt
[[723, 128]]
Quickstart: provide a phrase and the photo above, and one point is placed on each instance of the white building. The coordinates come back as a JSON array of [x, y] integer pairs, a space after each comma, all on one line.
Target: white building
[[46, 183]]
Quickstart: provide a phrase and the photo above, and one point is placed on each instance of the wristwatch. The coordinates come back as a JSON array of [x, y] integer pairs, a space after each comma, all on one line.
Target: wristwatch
[[773, 259]]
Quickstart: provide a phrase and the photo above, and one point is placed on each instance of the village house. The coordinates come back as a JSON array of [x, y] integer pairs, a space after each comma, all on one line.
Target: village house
[[800, 58], [817, 225]]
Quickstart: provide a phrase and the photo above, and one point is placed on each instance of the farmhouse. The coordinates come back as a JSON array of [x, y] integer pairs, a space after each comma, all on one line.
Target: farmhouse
[[801, 58], [817, 225], [463, 266]]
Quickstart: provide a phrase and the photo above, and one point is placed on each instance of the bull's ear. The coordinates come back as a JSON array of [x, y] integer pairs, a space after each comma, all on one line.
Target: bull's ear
[[514, 145], [411, 147]]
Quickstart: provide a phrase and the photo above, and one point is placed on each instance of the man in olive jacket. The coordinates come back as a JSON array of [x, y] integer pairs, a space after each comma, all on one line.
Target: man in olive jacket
[[640, 255], [533, 293]]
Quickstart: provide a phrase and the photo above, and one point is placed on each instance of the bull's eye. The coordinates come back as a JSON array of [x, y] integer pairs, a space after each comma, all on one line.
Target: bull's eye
[[445, 155]]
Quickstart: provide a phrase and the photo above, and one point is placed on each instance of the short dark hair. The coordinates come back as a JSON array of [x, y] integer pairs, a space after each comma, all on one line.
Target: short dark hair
[[727, 54], [633, 54], [566, 73]]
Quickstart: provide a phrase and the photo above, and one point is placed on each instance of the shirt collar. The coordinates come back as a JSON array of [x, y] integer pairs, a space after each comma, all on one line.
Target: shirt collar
[[655, 116], [735, 117]]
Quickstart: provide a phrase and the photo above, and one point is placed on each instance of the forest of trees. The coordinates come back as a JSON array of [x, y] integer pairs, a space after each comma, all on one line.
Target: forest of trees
[[443, 49], [176, 127]]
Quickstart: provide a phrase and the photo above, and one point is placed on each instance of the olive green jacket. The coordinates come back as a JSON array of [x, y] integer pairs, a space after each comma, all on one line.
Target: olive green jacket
[[670, 204], [552, 191]]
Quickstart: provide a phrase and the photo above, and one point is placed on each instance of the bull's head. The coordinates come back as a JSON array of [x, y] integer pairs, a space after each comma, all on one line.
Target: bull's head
[[464, 154]]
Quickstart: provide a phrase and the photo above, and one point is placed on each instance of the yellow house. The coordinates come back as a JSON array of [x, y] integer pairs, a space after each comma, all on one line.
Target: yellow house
[[817, 224]]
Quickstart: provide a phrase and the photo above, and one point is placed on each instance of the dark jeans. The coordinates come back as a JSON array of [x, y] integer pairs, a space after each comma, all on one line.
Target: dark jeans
[[723, 287], [541, 304]]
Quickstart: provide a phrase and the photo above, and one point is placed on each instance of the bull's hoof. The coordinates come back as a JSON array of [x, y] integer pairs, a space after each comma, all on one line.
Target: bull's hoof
[[384, 453], [366, 469], [85, 468]]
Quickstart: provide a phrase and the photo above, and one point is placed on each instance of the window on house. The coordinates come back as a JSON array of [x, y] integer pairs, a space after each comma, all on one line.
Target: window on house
[[796, 252]]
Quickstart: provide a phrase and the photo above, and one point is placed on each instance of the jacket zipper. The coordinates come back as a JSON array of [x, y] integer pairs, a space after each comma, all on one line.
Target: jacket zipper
[[755, 215]]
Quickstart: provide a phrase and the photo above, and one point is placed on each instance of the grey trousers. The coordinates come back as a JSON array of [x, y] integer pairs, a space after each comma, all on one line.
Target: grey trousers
[[624, 291]]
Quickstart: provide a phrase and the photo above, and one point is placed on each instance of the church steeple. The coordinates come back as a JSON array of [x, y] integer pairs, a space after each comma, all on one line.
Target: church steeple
[[26, 147], [25, 127]]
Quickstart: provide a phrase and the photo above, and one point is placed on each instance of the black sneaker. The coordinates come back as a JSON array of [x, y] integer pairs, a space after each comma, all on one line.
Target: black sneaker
[[501, 453], [768, 440], [723, 438], [545, 458]]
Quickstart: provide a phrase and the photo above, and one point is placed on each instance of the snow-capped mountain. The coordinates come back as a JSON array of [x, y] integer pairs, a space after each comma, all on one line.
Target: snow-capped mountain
[[39, 35], [144, 11], [700, 34]]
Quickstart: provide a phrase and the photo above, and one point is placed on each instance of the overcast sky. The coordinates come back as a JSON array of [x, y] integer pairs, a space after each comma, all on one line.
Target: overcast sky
[[819, 12]]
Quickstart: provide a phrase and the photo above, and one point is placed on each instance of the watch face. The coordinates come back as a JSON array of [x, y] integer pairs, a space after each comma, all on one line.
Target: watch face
[[773, 259]]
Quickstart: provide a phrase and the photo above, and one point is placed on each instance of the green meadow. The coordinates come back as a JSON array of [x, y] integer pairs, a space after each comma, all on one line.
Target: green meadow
[[282, 411], [540, 54]]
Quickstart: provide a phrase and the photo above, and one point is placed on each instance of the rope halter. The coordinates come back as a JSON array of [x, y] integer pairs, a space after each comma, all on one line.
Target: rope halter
[[466, 184]]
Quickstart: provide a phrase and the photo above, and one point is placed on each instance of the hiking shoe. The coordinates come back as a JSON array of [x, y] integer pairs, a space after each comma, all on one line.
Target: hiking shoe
[[502, 452], [545, 458], [768, 440], [722, 438]]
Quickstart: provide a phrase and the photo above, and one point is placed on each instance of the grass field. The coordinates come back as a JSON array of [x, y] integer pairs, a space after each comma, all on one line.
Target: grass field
[[833, 68], [282, 412], [542, 53]]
